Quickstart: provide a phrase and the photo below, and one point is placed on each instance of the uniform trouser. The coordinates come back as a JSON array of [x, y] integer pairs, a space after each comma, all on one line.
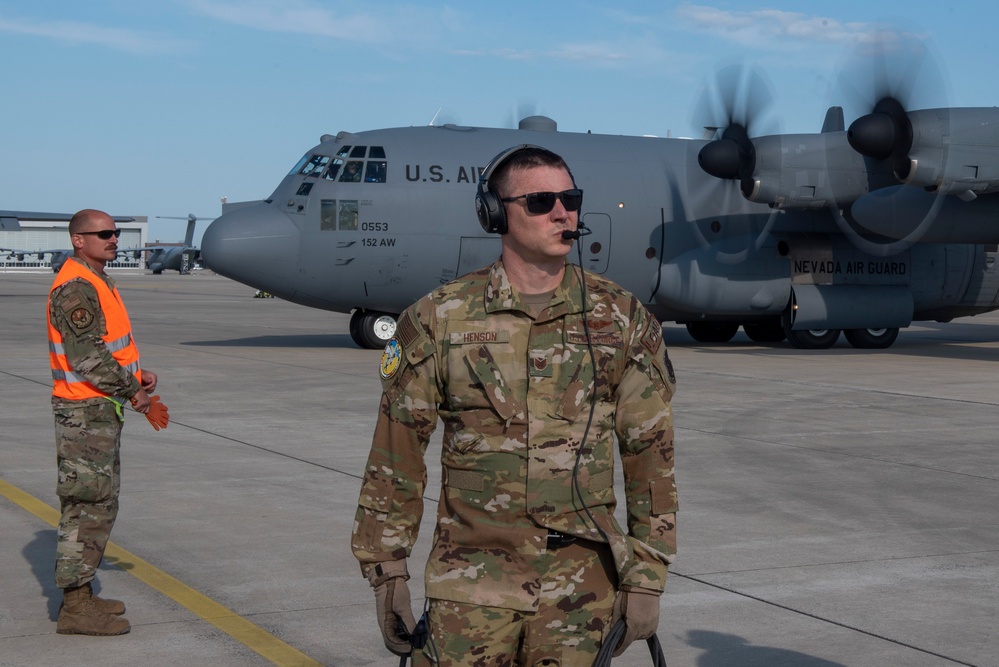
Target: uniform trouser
[[576, 601], [88, 441]]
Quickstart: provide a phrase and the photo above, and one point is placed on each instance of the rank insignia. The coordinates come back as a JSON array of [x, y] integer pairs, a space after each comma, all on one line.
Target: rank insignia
[[540, 364]]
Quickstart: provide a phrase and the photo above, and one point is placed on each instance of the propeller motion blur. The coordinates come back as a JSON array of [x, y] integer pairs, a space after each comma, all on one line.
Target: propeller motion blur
[[859, 230]]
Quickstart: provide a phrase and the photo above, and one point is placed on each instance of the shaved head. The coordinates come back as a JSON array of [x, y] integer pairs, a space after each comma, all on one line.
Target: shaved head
[[85, 219]]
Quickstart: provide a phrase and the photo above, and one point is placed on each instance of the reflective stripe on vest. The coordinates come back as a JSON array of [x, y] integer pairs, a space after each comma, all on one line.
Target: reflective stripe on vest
[[65, 382]]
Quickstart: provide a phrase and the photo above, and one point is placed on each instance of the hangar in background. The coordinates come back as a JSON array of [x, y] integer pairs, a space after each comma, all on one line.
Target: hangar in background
[[39, 241]]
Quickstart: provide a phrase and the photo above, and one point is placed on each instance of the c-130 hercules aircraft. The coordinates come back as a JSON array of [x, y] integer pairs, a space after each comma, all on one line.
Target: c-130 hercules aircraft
[[791, 236]]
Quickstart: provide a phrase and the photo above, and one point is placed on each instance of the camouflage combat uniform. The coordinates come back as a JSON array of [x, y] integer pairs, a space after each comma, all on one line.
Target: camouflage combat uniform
[[514, 394], [87, 433]]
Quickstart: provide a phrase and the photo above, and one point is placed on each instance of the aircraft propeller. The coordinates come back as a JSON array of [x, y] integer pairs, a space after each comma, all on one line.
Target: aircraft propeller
[[884, 78], [736, 103], [884, 133]]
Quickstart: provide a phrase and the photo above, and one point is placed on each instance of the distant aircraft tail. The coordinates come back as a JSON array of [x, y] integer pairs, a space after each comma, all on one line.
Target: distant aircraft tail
[[189, 236]]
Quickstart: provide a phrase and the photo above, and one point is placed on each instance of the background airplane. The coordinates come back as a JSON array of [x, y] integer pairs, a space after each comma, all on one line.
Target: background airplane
[[10, 221], [180, 258], [860, 230]]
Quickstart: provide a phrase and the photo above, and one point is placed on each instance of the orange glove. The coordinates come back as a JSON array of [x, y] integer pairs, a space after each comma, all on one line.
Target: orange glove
[[158, 415]]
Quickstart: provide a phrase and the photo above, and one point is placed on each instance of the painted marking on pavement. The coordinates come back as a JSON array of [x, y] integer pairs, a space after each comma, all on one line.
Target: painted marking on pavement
[[201, 605]]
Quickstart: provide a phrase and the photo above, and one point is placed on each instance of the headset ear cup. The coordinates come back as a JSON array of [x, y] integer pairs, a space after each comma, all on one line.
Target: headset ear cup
[[488, 205], [490, 211]]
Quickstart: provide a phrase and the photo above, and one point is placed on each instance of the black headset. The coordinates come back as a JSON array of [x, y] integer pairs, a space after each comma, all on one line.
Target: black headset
[[488, 205]]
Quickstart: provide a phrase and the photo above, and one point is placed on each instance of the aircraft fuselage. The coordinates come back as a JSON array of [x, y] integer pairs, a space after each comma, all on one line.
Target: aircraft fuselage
[[688, 245]]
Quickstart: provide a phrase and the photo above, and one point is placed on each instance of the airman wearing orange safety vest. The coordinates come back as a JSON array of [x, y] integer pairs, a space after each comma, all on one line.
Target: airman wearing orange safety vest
[[95, 371]]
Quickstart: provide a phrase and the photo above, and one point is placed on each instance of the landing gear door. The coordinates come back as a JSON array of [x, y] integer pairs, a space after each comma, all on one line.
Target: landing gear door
[[595, 246]]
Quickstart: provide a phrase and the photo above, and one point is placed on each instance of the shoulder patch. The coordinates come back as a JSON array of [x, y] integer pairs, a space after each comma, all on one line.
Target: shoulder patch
[[81, 318], [391, 359], [407, 331], [653, 336], [669, 367]]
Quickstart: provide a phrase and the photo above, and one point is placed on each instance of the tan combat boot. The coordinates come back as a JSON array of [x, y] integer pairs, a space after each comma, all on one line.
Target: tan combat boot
[[80, 615], [108, 606]]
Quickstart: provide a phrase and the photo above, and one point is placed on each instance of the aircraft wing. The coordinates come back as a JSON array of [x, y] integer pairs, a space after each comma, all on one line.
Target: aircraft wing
[[153, 248], [21, 254], [10, 220]]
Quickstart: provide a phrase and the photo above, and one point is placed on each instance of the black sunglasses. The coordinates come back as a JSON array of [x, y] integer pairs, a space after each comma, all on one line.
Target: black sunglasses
[[104, 234], [543, 202]]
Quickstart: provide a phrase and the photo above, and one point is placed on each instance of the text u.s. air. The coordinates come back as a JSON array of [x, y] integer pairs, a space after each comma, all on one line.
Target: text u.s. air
[[860, 228]]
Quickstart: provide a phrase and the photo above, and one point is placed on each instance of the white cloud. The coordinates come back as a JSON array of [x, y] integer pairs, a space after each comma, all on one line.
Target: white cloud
[[79, 33], [371, 25], [773, 29]]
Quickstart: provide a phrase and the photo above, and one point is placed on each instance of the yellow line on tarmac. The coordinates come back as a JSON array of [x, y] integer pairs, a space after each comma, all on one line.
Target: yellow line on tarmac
[[202, 606]]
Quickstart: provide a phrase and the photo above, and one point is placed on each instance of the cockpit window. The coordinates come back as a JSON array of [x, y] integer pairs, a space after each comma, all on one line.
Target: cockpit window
[[314, 165], [352, 172], [334, 169], [375, 172], [348, 166], [298, 165]]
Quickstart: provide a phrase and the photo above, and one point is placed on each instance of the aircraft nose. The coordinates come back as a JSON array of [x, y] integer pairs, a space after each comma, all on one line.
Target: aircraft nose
[[257, 246]]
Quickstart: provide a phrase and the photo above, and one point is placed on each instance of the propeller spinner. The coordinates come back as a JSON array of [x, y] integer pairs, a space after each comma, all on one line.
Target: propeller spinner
[[737, 103]]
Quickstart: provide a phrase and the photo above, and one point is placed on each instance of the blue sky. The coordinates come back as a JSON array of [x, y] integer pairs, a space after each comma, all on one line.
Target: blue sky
[[162, 108]]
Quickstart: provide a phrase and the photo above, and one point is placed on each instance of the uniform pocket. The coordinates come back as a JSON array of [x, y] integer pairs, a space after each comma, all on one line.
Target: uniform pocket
[[82, 480], [87, 451]]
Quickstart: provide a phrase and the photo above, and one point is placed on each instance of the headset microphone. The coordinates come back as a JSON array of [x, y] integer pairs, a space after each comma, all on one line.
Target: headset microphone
[[582, 230]]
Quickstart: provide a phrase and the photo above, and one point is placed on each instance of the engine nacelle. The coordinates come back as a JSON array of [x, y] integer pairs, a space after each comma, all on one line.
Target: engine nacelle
[[953, 151], [807, 171]]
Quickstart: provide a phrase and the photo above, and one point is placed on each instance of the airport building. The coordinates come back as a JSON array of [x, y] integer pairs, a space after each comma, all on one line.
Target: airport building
[[39, 243]]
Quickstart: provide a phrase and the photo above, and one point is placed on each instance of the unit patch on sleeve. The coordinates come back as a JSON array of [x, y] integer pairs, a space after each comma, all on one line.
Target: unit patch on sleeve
[[81, 318], [391, 359]]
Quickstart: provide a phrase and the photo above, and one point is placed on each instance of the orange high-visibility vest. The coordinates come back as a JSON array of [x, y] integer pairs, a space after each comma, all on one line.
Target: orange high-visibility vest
[[65, 382]]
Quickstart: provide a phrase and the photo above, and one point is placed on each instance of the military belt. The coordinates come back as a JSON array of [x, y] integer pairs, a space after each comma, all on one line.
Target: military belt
[[557, 539]]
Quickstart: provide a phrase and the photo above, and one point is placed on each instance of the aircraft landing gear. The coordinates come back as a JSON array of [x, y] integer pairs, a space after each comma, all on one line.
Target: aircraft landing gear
[[871, 339], [371, 329], [812, 339], [765, 332], [808, 339], [712, 332]]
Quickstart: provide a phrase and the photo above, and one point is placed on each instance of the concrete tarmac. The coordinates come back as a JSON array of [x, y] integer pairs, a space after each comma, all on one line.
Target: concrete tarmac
[[837, 507]]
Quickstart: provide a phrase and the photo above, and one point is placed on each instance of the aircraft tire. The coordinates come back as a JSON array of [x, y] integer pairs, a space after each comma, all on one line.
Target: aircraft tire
[[355, 327], [808, 339], [871, 339], [812, 339], [765, 332], [712, 332], [371, 329]]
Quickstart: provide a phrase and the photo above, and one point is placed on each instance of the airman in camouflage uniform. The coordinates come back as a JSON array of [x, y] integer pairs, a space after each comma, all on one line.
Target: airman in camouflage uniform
[[528, 562], [88, 426]]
